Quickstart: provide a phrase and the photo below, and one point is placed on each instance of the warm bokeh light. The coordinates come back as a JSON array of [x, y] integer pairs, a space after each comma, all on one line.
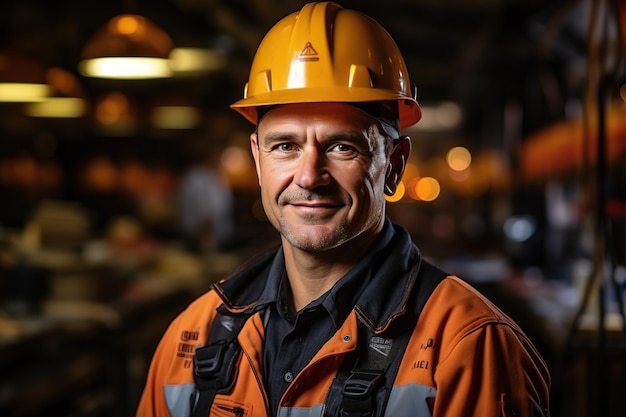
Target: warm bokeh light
[[439, 117], [459, 176], [100, 175], [193, 60], [67, 97], [127, 25], [133, 178], [64, 83], [25, 171], [411, 188], [410, 171], [397, 196], [175, 117], [459, 158], [112, 108], [58, 107], [23, 92], [237, 165], [115, 114], [22, 78], [235, 160], [427, 189], [133, 68]]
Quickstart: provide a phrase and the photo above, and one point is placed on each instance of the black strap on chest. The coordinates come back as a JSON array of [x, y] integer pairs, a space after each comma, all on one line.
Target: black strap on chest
[[215, 362], [363, 383]]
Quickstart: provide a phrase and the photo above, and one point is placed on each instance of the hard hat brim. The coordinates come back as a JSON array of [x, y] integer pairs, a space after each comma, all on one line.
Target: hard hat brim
[[408, 108]]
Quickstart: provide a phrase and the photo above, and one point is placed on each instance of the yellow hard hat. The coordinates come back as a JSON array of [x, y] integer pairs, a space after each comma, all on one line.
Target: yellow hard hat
[[325, 53]]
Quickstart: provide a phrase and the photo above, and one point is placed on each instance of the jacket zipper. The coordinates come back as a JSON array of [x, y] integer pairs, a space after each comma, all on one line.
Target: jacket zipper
[[236, 410], [259, 381]]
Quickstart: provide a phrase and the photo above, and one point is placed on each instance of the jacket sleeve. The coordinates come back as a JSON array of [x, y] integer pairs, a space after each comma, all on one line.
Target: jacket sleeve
[[492, 371], [152, 402], [171, 367]]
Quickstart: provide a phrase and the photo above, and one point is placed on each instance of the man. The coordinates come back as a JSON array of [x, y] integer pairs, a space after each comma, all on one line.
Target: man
[[345, 317]]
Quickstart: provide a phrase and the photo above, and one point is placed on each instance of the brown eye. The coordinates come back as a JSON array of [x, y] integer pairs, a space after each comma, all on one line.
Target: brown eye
[[342, 150], [342, 147], [285, 147]]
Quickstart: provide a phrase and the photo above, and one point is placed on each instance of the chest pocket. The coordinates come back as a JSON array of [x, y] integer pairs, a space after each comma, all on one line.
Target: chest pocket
[[226, 408]]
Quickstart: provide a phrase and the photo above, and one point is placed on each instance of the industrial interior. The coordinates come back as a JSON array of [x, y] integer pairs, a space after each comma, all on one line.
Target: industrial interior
[[516, 182]]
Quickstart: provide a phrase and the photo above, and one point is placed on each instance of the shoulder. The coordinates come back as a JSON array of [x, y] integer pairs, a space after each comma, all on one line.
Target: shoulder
[[173, 358], [456, 309], [460, 297], [201, 309], [467, 349], [195, 319]]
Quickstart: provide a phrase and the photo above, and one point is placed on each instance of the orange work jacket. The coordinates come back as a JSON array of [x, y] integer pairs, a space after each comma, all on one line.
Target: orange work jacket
[[465, 357]]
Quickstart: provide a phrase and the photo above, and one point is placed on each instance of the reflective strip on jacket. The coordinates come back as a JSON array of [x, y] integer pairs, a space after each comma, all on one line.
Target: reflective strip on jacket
[[465, 358]]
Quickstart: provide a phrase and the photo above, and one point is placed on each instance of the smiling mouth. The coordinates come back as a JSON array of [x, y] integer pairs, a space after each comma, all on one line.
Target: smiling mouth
[[315, 208], [311, 204]]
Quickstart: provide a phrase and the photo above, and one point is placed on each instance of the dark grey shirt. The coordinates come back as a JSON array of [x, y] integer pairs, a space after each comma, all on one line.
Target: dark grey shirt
[[293, 338]]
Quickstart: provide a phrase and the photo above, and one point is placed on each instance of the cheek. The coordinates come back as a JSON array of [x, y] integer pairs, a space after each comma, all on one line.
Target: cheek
[[362, 188], [273, 179], [377, 173]]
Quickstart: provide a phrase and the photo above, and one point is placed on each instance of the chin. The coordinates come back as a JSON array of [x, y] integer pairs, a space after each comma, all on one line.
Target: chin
[[316, 241]]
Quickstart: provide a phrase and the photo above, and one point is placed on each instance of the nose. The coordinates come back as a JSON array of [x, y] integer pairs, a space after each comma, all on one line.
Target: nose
[[311, 171]]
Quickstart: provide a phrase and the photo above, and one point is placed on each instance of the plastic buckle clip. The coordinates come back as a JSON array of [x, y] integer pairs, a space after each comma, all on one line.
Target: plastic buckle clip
[[208, 359], [361, 384]]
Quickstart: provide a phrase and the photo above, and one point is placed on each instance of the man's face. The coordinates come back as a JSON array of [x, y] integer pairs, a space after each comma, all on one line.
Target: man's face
[[322, 169]]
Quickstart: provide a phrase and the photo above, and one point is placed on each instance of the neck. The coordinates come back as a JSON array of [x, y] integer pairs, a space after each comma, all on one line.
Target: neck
[[311, 274]]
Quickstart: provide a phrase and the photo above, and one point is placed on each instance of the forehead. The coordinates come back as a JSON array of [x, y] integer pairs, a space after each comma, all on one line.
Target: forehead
[[340, 115]]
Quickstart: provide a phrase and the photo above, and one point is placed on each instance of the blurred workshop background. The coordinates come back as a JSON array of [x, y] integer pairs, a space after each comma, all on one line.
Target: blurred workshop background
[[122, 198]]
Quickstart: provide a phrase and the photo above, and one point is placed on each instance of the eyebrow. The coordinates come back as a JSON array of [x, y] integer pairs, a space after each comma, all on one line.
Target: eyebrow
[[278, 137], [358, 140], [350, 137]]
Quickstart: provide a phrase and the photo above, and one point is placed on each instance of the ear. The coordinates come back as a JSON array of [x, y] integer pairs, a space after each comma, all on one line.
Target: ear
[[254, 147], [397, 162]]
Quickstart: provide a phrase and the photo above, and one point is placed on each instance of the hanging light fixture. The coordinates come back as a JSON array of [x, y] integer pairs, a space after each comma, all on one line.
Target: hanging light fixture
[[195, 61], [22, 79], [174, 112], [129, 46], [116, 115], [67, 98]]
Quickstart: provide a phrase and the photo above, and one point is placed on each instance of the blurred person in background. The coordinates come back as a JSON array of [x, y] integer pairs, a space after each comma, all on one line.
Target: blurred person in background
[[205, 203], [345, 317]]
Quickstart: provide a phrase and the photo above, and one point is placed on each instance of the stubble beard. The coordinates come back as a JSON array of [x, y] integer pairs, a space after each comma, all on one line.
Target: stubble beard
[[312, 238], [309, 233]]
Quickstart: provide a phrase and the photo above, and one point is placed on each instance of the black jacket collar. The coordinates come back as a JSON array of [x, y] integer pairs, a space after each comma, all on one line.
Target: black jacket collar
[[392, 271]]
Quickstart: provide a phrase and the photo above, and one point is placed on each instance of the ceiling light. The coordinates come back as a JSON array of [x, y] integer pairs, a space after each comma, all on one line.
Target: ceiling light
[[196, 60], [174, 111], [440, 117], [66, 100], [58, 107], [22, 79], [175, 117], [128, 47]]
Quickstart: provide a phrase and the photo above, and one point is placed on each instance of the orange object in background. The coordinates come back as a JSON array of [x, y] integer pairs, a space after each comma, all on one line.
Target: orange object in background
[[562, 148]]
